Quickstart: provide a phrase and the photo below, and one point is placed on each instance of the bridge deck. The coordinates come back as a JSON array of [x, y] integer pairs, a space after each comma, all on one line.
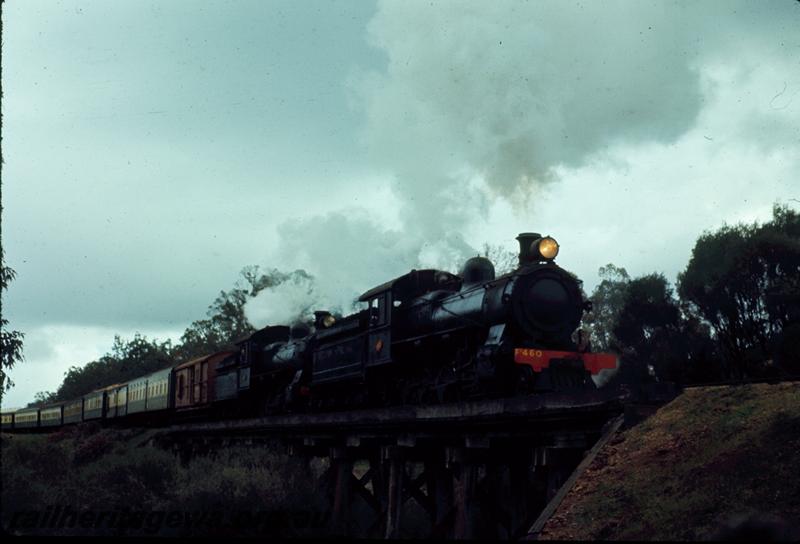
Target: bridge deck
[[511, 415]]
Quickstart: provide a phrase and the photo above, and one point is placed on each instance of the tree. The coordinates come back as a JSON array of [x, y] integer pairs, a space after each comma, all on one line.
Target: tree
[[641, 320], [226, 321], [127, 360], [648, 331], [10, 341], [504, 260], [607, 301], [42, 398], [744, 282]]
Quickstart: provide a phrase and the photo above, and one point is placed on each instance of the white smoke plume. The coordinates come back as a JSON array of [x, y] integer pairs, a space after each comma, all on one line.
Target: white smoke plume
[[508, 91], [485, 100], [346, 253], [292, 300]]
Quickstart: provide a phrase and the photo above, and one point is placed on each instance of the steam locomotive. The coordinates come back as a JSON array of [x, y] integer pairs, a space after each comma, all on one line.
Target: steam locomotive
[[428, 336]]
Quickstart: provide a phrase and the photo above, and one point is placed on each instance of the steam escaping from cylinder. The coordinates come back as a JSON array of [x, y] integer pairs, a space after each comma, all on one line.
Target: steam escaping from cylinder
[[604, 376]]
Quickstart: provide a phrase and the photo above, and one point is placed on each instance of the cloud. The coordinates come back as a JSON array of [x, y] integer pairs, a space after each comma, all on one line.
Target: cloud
[[595, 121]]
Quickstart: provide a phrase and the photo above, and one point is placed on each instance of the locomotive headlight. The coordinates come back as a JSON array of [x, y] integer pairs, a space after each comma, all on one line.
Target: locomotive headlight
[[328, 321], [547, 247]]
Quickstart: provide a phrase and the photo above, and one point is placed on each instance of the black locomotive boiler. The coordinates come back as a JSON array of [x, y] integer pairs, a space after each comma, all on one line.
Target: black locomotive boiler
[[430, 336]]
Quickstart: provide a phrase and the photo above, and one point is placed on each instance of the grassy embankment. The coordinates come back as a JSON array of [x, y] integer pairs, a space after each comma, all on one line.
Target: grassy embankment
[[88, 481], [710, 457]]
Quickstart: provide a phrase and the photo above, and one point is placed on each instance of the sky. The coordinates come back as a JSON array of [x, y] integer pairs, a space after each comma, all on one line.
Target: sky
[[153, 149]]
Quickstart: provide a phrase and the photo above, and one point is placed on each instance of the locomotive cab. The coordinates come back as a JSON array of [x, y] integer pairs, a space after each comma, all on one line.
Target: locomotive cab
[[351, 346], [412, 285], [385, 301]]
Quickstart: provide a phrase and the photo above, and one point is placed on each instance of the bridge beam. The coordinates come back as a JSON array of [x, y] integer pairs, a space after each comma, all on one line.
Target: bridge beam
[[396, 464]]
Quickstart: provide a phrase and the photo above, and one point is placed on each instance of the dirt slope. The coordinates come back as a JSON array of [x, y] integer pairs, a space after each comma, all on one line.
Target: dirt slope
[[710, 457]]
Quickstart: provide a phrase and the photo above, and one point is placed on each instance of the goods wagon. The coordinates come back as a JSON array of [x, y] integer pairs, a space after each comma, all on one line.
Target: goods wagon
[[195, 380]]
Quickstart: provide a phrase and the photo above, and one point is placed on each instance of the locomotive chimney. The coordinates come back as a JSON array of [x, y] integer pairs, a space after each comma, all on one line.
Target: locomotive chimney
[[525, 239]]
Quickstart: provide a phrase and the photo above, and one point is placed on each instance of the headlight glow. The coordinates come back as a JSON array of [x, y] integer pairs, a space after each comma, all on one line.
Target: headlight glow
[[548, 248]]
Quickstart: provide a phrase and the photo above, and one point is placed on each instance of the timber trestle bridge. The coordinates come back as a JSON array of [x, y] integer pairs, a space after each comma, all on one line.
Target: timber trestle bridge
[[483, 469]]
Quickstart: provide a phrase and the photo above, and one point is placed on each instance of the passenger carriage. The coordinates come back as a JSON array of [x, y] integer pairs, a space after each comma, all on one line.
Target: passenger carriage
[[51, 416], [73, 411], [93, 405], [159, 388], [7, 419], [137, 395], [26, 418], [116, 401]]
